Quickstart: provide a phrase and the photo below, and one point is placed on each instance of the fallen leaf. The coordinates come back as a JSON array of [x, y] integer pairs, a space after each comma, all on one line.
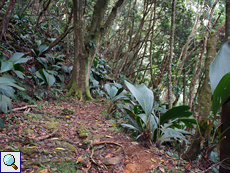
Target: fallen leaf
[[32, 147], [107, 136], [45, 171], [162, 169], [118, 150], [134, 143], [153, 160], [60, 149]]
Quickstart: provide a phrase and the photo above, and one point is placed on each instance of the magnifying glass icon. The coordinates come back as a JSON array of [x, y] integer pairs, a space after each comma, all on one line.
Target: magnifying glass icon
[[9, 160]]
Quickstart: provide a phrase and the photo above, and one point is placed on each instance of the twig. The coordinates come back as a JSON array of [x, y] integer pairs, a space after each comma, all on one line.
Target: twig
[[45, 137], [70, 141], [27, 106], [27, 111], [92, 160], [219, 163]]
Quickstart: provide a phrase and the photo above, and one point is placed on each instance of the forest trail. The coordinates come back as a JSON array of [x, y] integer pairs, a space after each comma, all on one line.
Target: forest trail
[[72, 136]]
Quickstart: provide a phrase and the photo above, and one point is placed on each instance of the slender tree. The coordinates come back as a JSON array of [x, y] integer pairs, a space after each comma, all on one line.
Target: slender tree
[[171, 55]]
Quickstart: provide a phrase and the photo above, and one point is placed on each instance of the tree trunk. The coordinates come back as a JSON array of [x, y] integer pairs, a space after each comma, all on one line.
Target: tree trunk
[[79, 82], [204, 101], [86, 48], [225, 143], [200, 61], [6, 19], [171, 55], [225, 118]]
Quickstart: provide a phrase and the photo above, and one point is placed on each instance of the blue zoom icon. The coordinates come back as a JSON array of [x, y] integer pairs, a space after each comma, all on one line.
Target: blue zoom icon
[[9, 160]]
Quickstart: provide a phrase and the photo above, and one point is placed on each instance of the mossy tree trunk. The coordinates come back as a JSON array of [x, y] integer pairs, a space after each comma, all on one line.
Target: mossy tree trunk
[[205, 102], [87, 40]]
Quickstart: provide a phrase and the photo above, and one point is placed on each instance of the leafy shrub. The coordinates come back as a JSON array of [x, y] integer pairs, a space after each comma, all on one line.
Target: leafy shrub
[[114, 93], [10, 72], [142, 119]]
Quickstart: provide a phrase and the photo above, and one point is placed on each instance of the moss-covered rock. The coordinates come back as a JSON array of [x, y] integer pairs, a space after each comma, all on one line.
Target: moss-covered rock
[[29, 131], [28, 151], [64, 144], [98, 137], [52, 125]]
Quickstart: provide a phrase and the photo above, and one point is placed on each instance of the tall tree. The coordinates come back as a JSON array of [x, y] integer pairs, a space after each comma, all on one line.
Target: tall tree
[[87, 40], [204, 100], [225, 118], [171, 54]]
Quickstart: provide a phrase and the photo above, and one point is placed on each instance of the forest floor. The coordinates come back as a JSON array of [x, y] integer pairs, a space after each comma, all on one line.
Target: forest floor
[[73, 136]]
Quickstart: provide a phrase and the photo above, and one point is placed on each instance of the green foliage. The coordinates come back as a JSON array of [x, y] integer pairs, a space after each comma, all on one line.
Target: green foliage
[[43, 81], [100, 69], [12, 66], [9, 69], [221, 93], [53, 73], [7, 92], [142, 119], [115, 94], [219, 77], [219, 66]]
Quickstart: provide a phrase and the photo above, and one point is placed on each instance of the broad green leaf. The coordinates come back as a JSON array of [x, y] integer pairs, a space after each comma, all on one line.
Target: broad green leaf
[[4, 80], [119, 97], [42, 49], [2, 58], [22, 60], [143, 95], [220, 65], [50, 79], [36, 52], [175, 112], [130, 126], [19, 74], [143, 117], [6, 66], [40, 74], [221, 93], [189, 122], [16, 56], [111, 90], [95, 62], [5, 102], [7, 90]]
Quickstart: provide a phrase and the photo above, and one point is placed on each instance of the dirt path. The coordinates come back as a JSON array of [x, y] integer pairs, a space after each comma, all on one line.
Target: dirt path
[[73, 136]]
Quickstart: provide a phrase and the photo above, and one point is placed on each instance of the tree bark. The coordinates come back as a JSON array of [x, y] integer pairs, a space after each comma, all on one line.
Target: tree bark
[[86, 48], [200, 60], [204, 101], [225, 118], [6, 19], [171, 55]]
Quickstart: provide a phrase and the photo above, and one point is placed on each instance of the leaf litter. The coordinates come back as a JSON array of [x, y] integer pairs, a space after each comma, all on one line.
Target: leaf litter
[[50, 141]]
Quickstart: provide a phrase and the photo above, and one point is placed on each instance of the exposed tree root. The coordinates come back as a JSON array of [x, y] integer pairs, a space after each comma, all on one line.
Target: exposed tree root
[[74, 91]]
